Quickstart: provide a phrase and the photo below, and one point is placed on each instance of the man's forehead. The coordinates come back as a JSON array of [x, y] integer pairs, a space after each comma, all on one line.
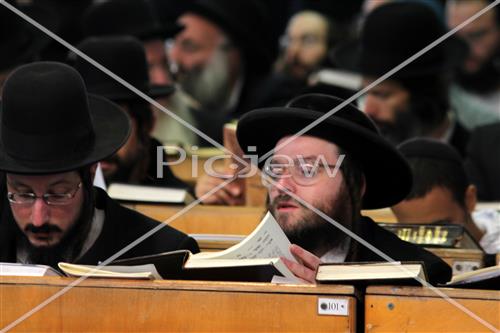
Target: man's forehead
[[306, 145], [20, 179]]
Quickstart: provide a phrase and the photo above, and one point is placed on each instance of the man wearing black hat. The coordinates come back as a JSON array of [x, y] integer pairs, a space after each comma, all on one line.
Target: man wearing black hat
[[413, 102], [138, 18], [441, 193], [370, 174], [221, 56], [53, 212], [136, 161]]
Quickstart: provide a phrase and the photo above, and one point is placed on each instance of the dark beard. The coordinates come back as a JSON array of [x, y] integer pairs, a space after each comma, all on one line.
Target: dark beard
[[405, 126], [67, 250], [126, 169], [312, 232], [485, 80]]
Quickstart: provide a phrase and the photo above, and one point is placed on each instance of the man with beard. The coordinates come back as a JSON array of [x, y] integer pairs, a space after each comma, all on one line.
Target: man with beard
[[52, 134], [136, 161], [340, 166], [414, 101], [221, 56], [476, 94]]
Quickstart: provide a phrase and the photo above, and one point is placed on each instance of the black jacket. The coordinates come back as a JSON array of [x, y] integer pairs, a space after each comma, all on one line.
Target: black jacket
[[483, 161], [387, 242], [121, 227]]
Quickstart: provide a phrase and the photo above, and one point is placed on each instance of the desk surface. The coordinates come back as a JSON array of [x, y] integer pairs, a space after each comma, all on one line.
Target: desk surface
[[414, 309], [103, 305]]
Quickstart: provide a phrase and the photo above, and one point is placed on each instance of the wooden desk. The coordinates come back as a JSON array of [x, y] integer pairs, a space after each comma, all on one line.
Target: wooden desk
[[414, 309], [98, 305]]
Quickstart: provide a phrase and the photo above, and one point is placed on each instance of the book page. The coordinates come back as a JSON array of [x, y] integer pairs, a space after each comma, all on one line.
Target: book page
[[140, 193], [17, 269], [267, 241], [127, 272]]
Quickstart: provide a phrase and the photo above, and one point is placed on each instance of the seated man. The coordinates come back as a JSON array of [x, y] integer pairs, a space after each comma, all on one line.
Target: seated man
[[51, 137], [371, 174], [442, 193], [136, 161]]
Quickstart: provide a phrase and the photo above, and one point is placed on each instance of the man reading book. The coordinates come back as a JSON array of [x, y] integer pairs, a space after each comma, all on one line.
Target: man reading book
[[340, 166], [52, 135]]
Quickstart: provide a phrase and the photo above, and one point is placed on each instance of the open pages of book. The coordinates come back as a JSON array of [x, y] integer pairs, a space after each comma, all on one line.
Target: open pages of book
[[143, 272], [484, 278], [17, 269]]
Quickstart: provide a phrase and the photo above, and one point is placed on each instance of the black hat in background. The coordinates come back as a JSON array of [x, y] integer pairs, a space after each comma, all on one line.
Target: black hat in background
[[126, 17], [388, 176], [49, 124], [248, 24], [125, 57], [20, 42], [430, 149], [394, 32]]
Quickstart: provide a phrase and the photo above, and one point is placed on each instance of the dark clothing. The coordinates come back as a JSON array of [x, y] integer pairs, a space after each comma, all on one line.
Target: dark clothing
[[121, 227], [168, 179], [460, 138], [483, 161], [387, 242]]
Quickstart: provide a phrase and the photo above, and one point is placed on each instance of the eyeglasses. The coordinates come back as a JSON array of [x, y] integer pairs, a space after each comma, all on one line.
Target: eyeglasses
[[53, 199], [305, 174]]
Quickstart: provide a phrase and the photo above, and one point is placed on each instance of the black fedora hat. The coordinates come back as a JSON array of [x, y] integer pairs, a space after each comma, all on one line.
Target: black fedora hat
[[49, 124], [394, 32], [388, 176], [247, 23], [126, 17], [19, 40], [125, 57]]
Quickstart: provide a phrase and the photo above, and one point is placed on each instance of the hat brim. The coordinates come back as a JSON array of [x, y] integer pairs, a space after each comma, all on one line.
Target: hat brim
[[153, 91], [347, 56], [387, 174], [112, 129]]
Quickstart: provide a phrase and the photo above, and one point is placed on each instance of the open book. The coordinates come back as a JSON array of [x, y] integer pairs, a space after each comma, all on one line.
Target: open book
[[17, 269], [371, 273], [484, 278], [153, 194], [256, 258]]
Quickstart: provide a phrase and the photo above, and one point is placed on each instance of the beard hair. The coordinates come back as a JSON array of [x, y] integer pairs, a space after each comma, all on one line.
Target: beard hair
[[485, 80], [310, 231], [209, 83], [126, 169], [405, 126]]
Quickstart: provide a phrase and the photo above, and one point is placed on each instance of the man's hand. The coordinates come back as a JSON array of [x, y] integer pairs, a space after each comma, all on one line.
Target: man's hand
[[308, 264], [231, 194]]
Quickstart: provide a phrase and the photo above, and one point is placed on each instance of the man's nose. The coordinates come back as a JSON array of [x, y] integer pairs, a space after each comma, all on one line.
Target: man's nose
[[39, 212], [285, 184]]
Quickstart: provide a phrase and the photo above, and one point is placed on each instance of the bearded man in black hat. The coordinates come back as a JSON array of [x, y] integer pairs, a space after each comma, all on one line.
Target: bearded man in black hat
[[136, 161], [221, 57], [52, 134], [413, 102], [370, 174]]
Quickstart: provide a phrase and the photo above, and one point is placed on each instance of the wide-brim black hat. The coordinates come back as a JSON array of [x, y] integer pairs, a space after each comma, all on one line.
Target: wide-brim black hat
[[49, 124], [247, 23], [127, 17], [124, 56], [19, 40], [394, 32], [388, 176]]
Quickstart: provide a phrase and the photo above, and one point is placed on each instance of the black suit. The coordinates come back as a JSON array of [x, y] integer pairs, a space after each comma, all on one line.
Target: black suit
[[387, 242], [483, 161], [121, 227]]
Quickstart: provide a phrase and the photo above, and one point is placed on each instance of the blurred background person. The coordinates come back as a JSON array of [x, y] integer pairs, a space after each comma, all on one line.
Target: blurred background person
[[476, 92]]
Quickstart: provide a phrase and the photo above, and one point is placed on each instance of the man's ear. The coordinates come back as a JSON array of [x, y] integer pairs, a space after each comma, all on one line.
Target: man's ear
[[470, 198]]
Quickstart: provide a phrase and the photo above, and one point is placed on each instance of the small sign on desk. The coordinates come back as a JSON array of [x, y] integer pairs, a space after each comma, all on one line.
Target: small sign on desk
[[333, 306]]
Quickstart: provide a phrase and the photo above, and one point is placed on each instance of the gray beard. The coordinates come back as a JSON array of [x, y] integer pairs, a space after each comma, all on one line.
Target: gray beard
[[209, 85]]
